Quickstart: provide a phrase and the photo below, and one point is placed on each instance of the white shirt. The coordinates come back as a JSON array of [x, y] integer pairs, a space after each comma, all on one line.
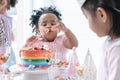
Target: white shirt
[[110, 63]]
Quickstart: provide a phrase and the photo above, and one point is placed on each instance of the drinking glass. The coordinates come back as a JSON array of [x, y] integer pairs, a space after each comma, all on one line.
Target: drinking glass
[[4, 57]]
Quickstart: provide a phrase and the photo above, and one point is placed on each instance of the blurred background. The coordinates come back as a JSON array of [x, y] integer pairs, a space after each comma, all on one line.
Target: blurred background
[[72, 17]]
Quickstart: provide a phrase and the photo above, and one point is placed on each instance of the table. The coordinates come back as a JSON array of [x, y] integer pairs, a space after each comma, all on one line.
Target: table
[[38, 74]]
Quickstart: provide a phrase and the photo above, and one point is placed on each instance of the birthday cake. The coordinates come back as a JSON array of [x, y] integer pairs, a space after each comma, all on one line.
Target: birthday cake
[[37, 56]]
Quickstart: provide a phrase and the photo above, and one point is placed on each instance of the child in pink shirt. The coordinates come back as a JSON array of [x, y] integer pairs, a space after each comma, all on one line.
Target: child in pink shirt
[[104, 19], [46, 23]]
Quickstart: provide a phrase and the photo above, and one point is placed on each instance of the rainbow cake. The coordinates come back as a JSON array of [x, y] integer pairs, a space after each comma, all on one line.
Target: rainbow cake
[[36, 56]]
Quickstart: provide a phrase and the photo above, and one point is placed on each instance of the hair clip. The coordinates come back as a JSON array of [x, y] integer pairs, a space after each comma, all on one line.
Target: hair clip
[[116, 10]]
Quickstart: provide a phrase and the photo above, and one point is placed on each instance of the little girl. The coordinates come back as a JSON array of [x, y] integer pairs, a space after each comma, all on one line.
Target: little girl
[[6, 29], [104, 19], [46, 23]]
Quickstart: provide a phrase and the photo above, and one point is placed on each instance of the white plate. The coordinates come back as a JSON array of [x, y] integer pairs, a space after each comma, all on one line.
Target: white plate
[[18, 70], [38, 71]]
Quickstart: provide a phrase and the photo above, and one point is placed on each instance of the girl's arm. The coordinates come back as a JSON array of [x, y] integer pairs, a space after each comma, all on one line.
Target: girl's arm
[[31, 40], [71, 40]]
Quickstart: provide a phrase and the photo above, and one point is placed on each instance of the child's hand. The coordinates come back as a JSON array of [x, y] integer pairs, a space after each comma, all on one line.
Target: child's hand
[[32, 40], [62, 27], [44, 31]]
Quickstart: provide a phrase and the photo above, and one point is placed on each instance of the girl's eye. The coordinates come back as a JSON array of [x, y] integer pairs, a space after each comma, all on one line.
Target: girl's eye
[[53, 24], [44, 24]]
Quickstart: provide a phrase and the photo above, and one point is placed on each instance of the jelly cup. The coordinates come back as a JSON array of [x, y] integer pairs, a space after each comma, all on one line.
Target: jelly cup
[[60, 67], [62, 60], [58, 73]]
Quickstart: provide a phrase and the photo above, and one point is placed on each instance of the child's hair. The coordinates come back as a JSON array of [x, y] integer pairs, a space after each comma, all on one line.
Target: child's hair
[[10, 3], [112, 7], [37, 14], [0, 1]]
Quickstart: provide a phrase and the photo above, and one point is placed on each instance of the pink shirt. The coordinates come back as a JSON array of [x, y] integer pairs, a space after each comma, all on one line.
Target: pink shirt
[[110, 64], [60, 51]]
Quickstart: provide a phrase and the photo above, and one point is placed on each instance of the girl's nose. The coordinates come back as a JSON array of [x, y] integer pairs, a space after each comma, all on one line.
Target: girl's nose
[[49, 25]]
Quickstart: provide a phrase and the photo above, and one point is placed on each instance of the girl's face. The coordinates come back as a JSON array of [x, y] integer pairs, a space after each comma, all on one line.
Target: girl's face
[[46, 23], [97, 23]]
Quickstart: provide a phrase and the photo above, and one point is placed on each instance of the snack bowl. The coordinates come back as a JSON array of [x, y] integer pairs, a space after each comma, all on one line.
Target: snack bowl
[[62, 60]]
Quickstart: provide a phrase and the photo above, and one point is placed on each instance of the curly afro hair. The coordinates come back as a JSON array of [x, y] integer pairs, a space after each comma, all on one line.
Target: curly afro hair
[[37, 14]]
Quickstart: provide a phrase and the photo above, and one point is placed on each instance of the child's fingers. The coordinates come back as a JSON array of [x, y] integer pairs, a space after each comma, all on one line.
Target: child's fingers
[[62, 27], [32, 40], [44, 31], [54, 28], [58, 25]]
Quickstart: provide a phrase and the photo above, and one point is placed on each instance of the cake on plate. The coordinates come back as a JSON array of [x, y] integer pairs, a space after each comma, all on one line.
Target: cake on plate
[[37, 56]]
